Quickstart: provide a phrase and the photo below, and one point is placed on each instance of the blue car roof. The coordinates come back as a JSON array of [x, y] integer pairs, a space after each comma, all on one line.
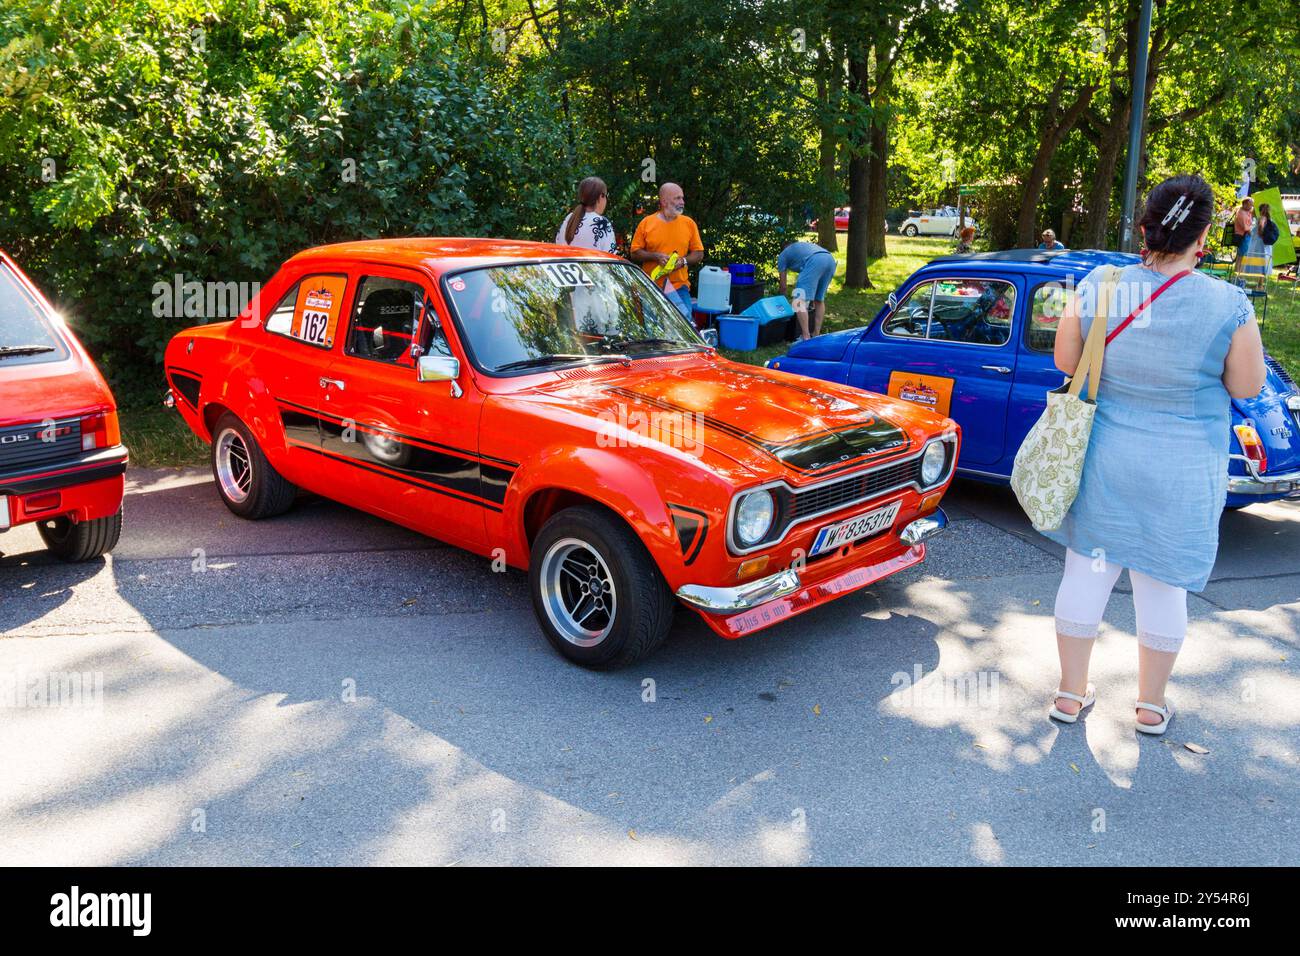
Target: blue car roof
[[1061, 262]]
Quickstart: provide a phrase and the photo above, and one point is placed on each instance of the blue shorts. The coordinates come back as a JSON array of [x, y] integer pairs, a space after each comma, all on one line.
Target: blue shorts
[[681, 297], [815, 278]]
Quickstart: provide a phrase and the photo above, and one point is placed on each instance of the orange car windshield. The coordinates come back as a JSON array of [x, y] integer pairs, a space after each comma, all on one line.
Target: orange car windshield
[[25, 331], [537, 314]]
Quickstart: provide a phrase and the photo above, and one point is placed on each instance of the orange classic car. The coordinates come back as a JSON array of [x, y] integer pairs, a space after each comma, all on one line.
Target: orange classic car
[[547, 407]]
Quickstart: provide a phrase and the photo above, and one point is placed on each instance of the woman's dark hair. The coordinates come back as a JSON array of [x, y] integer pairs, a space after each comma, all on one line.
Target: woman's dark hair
[[1265, 212], [1176, 213], [589, 192]]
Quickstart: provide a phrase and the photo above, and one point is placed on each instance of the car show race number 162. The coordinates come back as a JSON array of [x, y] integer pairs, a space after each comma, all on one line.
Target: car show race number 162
[[316, 314]]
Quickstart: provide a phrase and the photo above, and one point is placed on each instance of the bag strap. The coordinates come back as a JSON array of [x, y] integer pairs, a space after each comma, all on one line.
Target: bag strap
[[1151, 298], [1089, 366]]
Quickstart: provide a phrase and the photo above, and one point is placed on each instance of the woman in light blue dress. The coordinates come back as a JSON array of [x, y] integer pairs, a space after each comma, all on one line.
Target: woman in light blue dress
[[1155, 476]]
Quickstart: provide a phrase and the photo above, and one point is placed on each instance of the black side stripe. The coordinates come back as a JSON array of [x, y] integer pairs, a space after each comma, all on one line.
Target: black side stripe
[[415, 462], [396, 477], [504, 462]]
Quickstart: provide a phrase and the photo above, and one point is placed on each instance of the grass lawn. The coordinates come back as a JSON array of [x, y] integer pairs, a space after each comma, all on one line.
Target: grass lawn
[[157, 437]]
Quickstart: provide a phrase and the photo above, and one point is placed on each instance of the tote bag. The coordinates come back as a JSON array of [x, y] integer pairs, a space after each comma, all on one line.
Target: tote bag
[[1049, 465]]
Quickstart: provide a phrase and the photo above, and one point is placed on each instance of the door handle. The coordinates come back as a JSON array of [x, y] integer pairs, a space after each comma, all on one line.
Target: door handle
[[1000, 369], [336, 382]]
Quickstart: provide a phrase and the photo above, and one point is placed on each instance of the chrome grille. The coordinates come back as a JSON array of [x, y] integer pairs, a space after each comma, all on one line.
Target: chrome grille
[[834, 495], [26, 446]]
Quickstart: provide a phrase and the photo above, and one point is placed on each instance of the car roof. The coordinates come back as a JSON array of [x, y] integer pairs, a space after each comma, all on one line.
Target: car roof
[[1059, 262], [444, 254]]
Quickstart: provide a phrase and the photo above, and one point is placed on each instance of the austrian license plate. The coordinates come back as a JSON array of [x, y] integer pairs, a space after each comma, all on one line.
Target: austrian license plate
[[854, 529]]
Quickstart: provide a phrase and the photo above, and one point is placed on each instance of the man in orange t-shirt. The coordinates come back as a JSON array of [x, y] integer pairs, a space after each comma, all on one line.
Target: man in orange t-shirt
[[662, 233]]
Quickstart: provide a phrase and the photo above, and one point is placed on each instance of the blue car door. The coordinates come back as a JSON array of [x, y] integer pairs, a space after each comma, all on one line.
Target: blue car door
[[1036, 373], [949, 345]]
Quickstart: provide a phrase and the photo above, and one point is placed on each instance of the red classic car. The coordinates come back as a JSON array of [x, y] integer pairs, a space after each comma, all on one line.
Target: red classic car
[[61, 457], [548, 407]]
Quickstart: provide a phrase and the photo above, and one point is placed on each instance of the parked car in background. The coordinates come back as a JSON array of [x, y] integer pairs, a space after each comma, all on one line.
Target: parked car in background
[[62, 460], [842, 220], [940, 221], [972, 337], [547, 407]]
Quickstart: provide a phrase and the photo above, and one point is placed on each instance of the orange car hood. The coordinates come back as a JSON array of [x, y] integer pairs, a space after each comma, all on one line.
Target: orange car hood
[[768, 421]]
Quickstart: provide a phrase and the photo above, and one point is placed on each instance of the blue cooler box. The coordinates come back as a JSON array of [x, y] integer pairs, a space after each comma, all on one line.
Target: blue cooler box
[[738, 332], [769, 309]]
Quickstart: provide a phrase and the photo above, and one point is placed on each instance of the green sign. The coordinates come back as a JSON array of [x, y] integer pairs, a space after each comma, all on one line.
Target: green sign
[[1284, 248]]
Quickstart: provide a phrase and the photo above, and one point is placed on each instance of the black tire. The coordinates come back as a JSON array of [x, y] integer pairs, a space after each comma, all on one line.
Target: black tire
[[643, 606], [267, 493], [81, 540], [910, 232]]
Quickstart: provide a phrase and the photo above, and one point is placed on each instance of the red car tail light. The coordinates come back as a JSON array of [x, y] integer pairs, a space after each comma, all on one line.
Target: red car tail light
[[100, 430], [1253, 448]]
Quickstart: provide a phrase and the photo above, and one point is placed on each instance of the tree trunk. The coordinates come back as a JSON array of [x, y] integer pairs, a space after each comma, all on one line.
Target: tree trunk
[[855, 272], [1103, 184], [877, 196], [1055, 127], [828, 87]]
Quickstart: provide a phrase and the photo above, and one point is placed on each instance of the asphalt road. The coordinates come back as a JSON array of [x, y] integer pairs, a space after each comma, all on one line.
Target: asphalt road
[[327, 688]]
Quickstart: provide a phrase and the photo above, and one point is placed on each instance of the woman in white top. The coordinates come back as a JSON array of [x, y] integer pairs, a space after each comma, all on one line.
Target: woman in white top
[[585, 225]]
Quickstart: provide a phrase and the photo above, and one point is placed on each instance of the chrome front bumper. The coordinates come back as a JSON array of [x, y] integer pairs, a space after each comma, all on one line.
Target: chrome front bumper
[[1287, 483], [784, 583]]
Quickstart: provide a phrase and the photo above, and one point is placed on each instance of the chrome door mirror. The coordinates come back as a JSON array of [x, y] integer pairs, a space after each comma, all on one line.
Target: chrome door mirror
[[437, 368], [710, 337]]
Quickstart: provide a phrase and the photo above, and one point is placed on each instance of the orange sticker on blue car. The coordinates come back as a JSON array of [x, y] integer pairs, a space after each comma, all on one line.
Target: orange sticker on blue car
[[929, 391]]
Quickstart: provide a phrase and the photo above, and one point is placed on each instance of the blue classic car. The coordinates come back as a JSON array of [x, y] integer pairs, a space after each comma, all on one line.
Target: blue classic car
[[971, 336]]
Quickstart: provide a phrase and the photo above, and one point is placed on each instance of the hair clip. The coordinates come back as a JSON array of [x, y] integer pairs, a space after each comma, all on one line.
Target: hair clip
[[1175, 214]]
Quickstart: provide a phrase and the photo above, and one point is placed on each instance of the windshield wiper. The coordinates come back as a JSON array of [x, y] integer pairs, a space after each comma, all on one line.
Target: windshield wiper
[[653, 341], [542, 360], [24, 349]]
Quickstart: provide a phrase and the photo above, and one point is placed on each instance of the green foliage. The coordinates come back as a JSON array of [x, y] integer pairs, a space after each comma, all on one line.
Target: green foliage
[[142, 139], [216, 139]]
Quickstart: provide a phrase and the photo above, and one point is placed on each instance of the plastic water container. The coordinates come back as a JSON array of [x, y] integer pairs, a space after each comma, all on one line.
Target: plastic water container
[[714, 289], [770, 308], [737, 332]]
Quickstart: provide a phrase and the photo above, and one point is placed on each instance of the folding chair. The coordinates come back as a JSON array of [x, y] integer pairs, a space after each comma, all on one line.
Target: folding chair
[[1251, 273]]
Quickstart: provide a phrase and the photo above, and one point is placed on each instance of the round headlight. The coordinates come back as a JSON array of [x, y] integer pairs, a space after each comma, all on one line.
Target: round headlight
[[754, 513], [936, 456]]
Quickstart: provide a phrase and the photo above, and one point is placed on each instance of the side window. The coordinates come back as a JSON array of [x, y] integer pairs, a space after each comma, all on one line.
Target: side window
[[386, 322], [912, 317], [310, 310], [281, 318], [974, 311], [1048, 304]]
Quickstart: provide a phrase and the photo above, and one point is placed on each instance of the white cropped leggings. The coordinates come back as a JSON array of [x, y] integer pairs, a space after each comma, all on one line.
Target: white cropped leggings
[[1085, 590]]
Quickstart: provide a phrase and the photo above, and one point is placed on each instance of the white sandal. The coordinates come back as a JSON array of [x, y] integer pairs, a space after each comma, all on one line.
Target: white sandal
[[1167, 712], [1087, 700]]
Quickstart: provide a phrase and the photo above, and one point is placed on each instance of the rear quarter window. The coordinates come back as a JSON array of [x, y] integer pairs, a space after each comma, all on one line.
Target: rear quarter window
[[1046, 307]]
